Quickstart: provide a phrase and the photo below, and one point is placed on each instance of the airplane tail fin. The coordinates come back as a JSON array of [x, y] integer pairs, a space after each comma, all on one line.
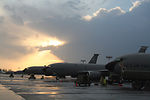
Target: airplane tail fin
[[143, 49], [94, 59]]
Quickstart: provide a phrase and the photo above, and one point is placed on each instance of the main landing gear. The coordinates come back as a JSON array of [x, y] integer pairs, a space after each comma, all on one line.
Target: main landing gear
[[32, 77]]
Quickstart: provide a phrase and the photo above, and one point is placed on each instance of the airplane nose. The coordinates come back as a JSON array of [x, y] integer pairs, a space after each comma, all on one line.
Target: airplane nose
[[110, 66]]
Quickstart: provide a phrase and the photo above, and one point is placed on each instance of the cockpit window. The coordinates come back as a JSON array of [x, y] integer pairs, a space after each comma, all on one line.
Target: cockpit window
[[49, 65], [119, 59]]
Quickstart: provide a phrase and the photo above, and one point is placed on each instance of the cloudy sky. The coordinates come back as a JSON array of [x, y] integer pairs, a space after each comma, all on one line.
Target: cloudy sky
[[41, 32]]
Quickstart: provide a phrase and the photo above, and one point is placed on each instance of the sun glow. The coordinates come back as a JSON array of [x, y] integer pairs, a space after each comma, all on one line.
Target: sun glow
[[31, 47], [40, 40], [37, 58], [53, 43]]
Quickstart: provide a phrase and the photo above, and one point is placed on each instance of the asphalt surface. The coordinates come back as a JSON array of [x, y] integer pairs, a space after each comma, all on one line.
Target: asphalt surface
[[50, 89]]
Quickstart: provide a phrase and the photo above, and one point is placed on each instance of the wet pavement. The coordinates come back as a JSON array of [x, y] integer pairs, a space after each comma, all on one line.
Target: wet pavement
[[50, 89], [6, 94]]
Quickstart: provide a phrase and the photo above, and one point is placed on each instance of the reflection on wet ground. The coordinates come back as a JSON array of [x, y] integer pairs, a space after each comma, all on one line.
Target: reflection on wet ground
[[50, 89]]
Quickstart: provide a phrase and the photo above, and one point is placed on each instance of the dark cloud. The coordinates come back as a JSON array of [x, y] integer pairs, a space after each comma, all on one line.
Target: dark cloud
[[73, 4], [18, 20], [39, 10]]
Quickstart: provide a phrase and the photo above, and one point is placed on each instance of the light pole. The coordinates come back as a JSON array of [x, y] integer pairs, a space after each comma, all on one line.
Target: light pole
[[83, 61], [109, 57]]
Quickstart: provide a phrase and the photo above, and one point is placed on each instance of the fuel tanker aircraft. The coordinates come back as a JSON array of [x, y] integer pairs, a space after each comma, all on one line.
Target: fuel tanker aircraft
[[60, 70], [41, 69], [134, 68]]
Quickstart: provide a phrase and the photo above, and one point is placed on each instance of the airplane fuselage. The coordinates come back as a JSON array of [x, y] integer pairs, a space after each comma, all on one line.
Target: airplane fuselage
[[71, 69], [133, 67]]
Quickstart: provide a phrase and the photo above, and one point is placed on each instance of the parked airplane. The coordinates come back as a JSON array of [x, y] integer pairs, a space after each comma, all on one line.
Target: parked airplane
[[34, 70], [39, 69], [60, 70], [134, 68]]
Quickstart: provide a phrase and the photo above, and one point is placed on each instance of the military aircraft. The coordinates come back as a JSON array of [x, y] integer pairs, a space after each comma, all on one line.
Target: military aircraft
[[133, 68], [34, 70], [60, 70], [40, 69]]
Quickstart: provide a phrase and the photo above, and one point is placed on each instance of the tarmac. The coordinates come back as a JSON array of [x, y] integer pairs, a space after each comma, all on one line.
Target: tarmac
[[6, 94], [19, 88]]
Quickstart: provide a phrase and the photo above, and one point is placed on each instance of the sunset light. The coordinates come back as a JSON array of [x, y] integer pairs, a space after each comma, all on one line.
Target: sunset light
[[53, 43]]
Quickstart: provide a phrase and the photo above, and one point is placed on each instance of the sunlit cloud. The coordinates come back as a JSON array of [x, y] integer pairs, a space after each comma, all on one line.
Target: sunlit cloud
[[34, 57], [42, 58], [87, 17], [54, 42], [41, 40], [103, 12], [20, 46], [37, 58], [135, 4]]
